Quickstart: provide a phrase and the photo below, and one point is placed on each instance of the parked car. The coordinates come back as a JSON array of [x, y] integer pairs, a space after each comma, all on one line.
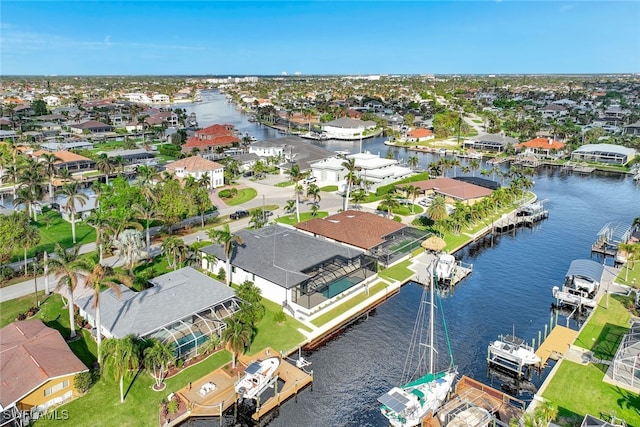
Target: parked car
[[239, 214], [309, 180]]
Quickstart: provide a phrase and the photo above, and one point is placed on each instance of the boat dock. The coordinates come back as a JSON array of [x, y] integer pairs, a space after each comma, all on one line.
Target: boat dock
[[470, 393], [214, 393], [528, 215], [556, 344], [422, 262]]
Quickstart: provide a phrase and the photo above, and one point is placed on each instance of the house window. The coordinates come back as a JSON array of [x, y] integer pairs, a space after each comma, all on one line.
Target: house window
[[56, 388]]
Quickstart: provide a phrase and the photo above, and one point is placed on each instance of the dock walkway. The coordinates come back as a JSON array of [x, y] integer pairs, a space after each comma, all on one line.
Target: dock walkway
[[556, 344]]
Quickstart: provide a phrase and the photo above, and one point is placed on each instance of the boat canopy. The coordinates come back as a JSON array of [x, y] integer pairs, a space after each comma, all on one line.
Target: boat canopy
[[253, 368], [586, 268], [394, 400]]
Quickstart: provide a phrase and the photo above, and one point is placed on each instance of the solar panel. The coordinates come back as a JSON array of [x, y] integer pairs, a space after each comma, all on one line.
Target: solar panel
[[253, 368], [394, 400]]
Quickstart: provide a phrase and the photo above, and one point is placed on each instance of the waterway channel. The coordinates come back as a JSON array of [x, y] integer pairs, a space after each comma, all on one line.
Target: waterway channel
[[509, 289]]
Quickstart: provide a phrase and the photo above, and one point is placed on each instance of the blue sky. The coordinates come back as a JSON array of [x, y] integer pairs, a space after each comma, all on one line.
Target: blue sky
[[318, 37]]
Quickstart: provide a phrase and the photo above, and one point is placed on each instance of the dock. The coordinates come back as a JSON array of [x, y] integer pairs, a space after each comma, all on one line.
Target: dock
[[470, 393], [556, 344], [525, 215], [214, 393], [460, 271]]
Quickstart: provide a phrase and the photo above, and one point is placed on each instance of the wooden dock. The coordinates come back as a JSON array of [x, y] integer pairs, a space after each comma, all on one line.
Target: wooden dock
[[223, 395], [556, 344], [470, 393]]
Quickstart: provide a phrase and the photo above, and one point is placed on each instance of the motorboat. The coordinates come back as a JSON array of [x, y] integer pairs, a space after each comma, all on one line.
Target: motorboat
[[257, 377], [444, 267], [515, 350], [409, 404]]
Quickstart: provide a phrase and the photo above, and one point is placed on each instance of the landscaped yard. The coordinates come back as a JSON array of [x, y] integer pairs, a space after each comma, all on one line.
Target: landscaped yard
[[399, 272], [630, 275], [280, 337], [304, 216], [9, 310], [347, 305], [606, 326], [577, 390], [243, 196]]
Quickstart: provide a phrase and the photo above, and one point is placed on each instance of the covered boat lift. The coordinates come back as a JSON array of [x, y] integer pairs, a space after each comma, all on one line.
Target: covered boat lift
[[584, 275]]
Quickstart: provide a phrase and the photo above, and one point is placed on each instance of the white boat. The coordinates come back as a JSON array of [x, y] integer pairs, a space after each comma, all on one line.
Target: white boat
[[444, 267], [568, 297], [257, 377], [515, 350], [408, 405]]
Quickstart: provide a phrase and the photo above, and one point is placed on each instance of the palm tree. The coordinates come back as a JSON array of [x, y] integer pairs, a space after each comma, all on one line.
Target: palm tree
[[175, 249], [49, 161], [437, 210], [351, 178], [236, 336], [630, 249], [27, 197], [314, 191], [67, 271], [358, 197], [296, 176], [474, 165], [72, 192], [65, 175], [389, 202], [145, 212], [156, 358], [229, 240], [100, 277], [121, 356], [29, 238], [105, 166], [99, 218], [412, 162], [205, 181]]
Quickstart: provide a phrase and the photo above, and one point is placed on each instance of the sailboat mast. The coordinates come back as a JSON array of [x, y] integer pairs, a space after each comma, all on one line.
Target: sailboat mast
[[431, 322]]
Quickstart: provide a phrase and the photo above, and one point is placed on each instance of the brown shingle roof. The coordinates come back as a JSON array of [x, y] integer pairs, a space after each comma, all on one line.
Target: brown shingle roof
[[31, 354], [360, 229], [453, 188], [194, 164]]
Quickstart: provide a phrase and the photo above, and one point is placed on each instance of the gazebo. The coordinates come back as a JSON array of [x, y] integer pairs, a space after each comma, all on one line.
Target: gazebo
[[434, 243]]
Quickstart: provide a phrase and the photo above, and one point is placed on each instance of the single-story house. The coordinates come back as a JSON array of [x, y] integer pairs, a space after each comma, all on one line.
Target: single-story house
[[183, 308], [491, 142], [8, 134], [632, 129], [291, 149], [419, 134], [604, 153], [66, 145], [69, 160], [292, 268], [91, 126], [38, 370], [454, 190], [347, 128], [82, 210], [198, 167], [136, 156], [383, 238]]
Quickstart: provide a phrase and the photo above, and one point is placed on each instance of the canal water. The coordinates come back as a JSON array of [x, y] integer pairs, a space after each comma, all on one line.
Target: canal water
[[509, 290]]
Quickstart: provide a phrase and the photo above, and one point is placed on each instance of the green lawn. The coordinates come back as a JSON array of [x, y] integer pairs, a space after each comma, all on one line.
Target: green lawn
[[102, 407], [399, 272], [284, 184], [243, 196], [329, 188], [604, 331], [630, 277], [284, 337], [9, 310], [53, 229], [304, 216], [590, 395], [347, 305]]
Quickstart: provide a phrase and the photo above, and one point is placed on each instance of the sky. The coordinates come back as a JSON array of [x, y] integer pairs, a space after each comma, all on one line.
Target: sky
[[318, 37]]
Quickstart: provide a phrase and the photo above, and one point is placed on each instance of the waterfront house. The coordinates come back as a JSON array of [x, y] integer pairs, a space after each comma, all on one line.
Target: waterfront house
[[454, 190], [183, 308], [491, 142], [293, 269], [38, 370], [604, 153], [419, 135], [198, 167], [632, 129], [347, 128], [291, 149], [210, 139], [382, 238], [68, 160], [136, 156], [544, 147]]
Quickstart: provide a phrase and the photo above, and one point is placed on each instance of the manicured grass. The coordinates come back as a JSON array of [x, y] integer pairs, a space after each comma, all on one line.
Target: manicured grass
[[329, 188], [630, 277], [53, 229], [399, 272], [280, 337], [9, 310], [578, 389], [304, 216], [102, 407], [604, 331], [243, 196], [347, 305], [284, 184], [404, 210]]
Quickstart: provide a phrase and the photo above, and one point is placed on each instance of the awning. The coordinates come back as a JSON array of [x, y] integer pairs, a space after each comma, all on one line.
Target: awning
[[586, 268]]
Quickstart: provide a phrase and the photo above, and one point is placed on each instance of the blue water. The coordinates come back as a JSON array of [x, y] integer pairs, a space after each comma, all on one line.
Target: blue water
[[510, 288]]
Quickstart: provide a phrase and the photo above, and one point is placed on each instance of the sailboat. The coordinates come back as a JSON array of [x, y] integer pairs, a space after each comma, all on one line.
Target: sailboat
[[407, 405]]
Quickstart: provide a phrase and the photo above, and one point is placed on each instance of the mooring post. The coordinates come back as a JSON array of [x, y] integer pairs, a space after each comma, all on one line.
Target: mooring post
[[539, 341], [545, 332]]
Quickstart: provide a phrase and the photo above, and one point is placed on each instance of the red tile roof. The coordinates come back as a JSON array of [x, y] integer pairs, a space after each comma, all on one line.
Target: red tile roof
[[360, 229], [542, 143], [453, 188], [420, 133], [215, 130], [30, 354], [225, 140]]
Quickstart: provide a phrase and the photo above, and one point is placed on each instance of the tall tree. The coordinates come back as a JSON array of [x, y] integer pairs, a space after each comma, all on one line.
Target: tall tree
[[68, 271], [351, 178], [296, 176], [236, 336], [389, 202], [157, 357], [28, 239], [49, 161], [72, 192], [122, 358], [105, 166], [228, 240]]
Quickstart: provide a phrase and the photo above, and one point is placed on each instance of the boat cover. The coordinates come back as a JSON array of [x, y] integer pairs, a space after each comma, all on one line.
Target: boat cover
[[586, 268]]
